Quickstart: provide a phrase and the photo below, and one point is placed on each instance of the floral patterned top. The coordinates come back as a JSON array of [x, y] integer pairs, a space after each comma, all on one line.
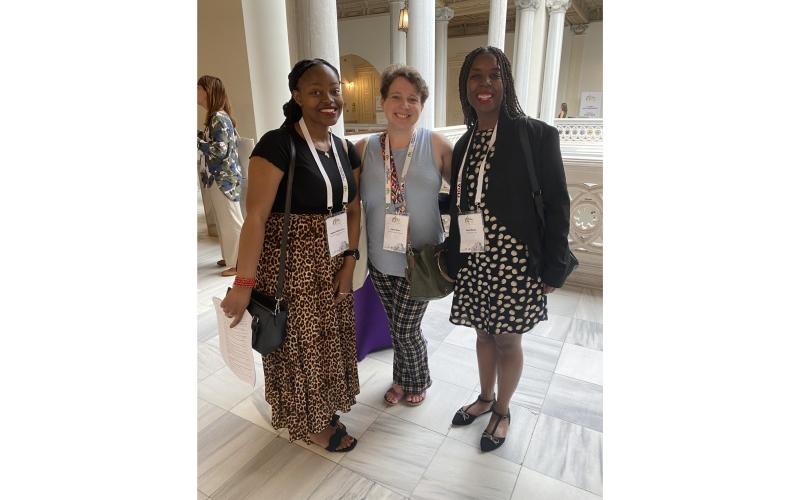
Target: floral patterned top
[[218, 144]]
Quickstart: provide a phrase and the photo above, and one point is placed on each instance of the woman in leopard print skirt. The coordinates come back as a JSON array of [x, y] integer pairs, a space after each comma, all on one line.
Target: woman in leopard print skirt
[[314, 373]]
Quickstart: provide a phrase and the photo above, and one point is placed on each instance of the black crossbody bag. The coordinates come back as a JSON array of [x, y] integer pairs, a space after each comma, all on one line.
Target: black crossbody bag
[[270, 314]]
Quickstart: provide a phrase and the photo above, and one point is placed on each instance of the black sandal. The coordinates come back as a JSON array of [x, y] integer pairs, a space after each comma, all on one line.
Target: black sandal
[[336, 439], [463, 418], [488, 441]]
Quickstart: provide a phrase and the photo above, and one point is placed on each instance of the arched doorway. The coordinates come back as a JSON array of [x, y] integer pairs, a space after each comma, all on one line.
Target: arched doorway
[[361, 93]]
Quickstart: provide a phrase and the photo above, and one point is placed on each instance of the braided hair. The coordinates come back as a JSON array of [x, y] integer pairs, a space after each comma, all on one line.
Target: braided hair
[[510, 105], [291, 110]]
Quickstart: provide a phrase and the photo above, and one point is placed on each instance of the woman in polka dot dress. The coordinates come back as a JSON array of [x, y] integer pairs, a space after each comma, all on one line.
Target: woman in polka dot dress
[[504, 260]]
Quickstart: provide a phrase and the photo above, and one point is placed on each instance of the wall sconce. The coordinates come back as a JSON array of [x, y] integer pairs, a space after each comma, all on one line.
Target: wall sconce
[[403, 26], [349, 85]]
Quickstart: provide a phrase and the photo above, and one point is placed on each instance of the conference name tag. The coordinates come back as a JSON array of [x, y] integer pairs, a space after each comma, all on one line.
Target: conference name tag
[[338, 240], [470, 227], [395, 233]]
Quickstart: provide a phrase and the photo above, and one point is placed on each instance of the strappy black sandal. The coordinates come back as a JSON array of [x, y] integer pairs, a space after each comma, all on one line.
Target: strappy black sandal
[[488, 441], [336, 439], [463, 418]]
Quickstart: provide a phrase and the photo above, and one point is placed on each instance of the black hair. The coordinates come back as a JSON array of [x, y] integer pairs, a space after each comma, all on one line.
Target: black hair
[[291, 110], [510, 105]]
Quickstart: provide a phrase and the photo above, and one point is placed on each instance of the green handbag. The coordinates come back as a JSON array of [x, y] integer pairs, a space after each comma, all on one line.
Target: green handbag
[[426, 271]]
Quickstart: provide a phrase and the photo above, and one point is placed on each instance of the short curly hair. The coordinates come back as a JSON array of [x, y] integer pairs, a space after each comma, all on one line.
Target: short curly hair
[[412, 75]]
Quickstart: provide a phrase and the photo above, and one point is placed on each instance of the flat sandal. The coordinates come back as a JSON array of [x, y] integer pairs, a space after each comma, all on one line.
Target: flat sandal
[[463, 418], [489, 441]]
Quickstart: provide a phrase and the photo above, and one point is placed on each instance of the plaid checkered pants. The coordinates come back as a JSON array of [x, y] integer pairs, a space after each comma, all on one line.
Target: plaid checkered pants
[[405, 316]]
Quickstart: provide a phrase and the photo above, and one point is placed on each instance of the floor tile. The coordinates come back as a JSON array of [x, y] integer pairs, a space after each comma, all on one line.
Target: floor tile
[[278, 470], [563, 302], [436, 323], [590, 305], [540, 352], [344, 483], [254, 408], [206, 326], [584, 333], [464, 472], [207, 413], [394, 452], [223, 388], [357, 421], [581, 363], [532, 388], [462, 336], [556, 327], [455, 365], [373, 389], [532, 485], [575, 401], [567, 452], [519, 435], [209, 359], [384, 355], [201, 496], [436, 413], [223, 447], [369, 367]]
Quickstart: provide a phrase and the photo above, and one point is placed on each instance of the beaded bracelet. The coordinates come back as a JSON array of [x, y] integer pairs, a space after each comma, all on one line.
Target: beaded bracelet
[[244, 282]]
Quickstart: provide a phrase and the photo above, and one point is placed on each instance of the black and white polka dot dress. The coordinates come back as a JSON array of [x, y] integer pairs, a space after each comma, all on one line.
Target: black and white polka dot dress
[[493, 292]]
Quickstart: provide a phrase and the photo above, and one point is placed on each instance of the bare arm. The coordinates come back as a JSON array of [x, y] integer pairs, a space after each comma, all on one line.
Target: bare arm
[[263, 181], [343, 281]]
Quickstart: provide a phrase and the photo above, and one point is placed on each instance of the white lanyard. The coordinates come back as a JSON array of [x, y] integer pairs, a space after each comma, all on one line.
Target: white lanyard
[[479, 187], [328, 188], [387, 152]]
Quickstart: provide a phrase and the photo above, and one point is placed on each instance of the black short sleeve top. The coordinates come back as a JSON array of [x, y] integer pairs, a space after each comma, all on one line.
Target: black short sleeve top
[[308, 192]]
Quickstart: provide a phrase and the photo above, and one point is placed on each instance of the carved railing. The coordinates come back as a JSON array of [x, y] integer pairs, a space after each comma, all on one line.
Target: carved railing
[[583, 164], [581, 130]]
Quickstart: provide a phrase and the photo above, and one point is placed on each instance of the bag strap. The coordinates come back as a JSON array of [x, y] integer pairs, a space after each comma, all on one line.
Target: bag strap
[[536, 191], [285, 237]]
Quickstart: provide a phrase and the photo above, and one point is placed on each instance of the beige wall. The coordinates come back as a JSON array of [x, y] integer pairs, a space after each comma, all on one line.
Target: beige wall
[[581, 66], [222, 52]]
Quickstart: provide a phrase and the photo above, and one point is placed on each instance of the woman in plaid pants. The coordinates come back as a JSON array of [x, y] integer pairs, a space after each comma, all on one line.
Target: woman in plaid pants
[[400, 181]]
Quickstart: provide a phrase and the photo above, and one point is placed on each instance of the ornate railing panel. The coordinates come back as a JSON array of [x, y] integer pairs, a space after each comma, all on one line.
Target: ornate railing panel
[[582, 130]]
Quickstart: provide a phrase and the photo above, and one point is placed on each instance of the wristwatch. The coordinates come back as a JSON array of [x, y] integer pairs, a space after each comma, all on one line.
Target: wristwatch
[[354, 253]]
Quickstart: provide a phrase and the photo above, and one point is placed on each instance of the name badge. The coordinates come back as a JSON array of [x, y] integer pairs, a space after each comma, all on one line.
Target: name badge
[[395, 233], [338, 240], [470, 227]]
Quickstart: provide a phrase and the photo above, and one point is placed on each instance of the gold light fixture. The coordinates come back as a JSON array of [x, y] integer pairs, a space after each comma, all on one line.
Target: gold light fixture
[[403, 25]]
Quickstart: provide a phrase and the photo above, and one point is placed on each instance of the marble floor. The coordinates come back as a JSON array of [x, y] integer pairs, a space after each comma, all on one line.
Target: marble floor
[[554, 449]]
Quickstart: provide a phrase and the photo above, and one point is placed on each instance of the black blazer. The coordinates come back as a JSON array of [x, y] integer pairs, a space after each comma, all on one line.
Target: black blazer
[[509, 196]]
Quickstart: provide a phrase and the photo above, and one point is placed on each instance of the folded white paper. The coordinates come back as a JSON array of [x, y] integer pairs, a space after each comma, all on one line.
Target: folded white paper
[[235, 344]]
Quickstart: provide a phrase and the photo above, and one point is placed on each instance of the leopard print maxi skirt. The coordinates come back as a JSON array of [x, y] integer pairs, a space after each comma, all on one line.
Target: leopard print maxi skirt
[[314, 373]]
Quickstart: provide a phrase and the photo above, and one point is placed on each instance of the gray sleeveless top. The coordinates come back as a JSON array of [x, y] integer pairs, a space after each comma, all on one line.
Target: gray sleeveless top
[[422, 200]]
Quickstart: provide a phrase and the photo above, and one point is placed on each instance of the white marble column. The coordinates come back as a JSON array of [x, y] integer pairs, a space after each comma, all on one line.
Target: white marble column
[[497, 23], [537, 60], [397, 38], [268, 59], [443, 17], [516, 40], [421, 37], [318, 36], [523, 50], [555, 36]]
